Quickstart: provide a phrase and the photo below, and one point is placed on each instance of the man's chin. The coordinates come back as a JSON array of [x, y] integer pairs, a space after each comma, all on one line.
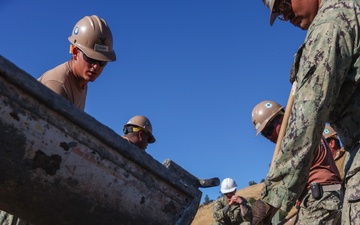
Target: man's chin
[[303, 25], [91, 78], [300, 23]]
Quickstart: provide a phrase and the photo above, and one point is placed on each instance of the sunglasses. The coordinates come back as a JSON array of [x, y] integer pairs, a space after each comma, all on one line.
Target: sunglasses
[[91, 60], [270, 127], [285, 9]]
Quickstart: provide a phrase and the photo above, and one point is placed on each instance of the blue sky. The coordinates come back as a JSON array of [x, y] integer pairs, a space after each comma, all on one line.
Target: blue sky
[[195, 68]]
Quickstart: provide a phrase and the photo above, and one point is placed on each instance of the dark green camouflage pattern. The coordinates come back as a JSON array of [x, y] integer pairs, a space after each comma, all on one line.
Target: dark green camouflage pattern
[[326, 210], [233, 215], [327, 72], [351, 207]]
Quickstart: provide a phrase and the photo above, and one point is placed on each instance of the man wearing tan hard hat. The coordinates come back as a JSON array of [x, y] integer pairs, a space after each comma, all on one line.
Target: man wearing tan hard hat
[[323, 183], [138, 131], [91, 48], [338, 152]]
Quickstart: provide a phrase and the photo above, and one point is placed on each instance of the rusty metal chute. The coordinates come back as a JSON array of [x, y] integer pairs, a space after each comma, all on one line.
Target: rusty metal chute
[[61, 166]]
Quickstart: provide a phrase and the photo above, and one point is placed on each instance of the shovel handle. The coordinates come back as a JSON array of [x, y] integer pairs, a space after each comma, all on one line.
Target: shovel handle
[[284, 123]]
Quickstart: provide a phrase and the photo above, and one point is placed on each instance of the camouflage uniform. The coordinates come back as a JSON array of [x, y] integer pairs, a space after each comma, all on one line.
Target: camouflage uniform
[[327, 71], [233, 215], [326, 210]]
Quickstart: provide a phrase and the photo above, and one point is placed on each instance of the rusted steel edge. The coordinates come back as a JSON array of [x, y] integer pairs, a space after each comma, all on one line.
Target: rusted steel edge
[[189, 213], [94, 127]]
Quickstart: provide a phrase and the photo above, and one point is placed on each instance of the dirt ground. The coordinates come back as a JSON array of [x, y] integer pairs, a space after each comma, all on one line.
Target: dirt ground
[[204, 213]]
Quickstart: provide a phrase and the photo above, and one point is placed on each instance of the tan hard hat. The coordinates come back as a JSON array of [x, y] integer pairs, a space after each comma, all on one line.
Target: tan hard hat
[[93, 36], [263, 113], [329, 132], [273, 14], [142, 122]]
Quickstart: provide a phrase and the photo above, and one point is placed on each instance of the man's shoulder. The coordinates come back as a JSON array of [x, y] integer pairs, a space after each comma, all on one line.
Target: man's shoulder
[[221, 200], [338, 12], [59, 73]]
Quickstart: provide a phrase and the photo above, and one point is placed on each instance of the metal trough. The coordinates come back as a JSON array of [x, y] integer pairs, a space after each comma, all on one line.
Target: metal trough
[[61, 166]]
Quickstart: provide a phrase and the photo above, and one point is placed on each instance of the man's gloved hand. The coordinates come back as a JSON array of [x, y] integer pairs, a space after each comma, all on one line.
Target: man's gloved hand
[[262, 213]]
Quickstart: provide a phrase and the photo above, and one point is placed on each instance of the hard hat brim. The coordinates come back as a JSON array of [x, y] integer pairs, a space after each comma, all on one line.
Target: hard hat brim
[[228, 190], [273, 15], [152, 139], [109, 56]]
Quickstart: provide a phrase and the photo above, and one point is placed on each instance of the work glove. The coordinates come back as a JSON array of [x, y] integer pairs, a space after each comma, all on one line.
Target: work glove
[[262, 213]]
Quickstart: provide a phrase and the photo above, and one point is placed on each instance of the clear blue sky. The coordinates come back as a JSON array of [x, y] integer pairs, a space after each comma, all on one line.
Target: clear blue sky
[[195, 68]]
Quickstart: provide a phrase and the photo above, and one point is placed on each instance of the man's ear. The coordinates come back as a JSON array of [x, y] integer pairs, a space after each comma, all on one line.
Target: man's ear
[[332, 143], [72, 48], [74, 51], [142, 134]]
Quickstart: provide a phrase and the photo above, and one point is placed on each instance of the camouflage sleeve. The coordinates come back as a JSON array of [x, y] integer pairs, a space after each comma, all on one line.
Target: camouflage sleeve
[[234, 214], [323, 64], [218, 210]]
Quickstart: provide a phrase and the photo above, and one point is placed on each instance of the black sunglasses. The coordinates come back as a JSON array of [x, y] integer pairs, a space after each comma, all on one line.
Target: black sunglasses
[[270, 127], [92, 61], [285, 9]]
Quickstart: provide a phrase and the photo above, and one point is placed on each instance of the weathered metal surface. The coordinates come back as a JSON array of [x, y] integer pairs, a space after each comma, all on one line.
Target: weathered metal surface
[[60, 166]]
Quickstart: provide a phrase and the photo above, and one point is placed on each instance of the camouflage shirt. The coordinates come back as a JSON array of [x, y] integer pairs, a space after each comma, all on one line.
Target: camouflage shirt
[[327, 72], [233, 216]]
